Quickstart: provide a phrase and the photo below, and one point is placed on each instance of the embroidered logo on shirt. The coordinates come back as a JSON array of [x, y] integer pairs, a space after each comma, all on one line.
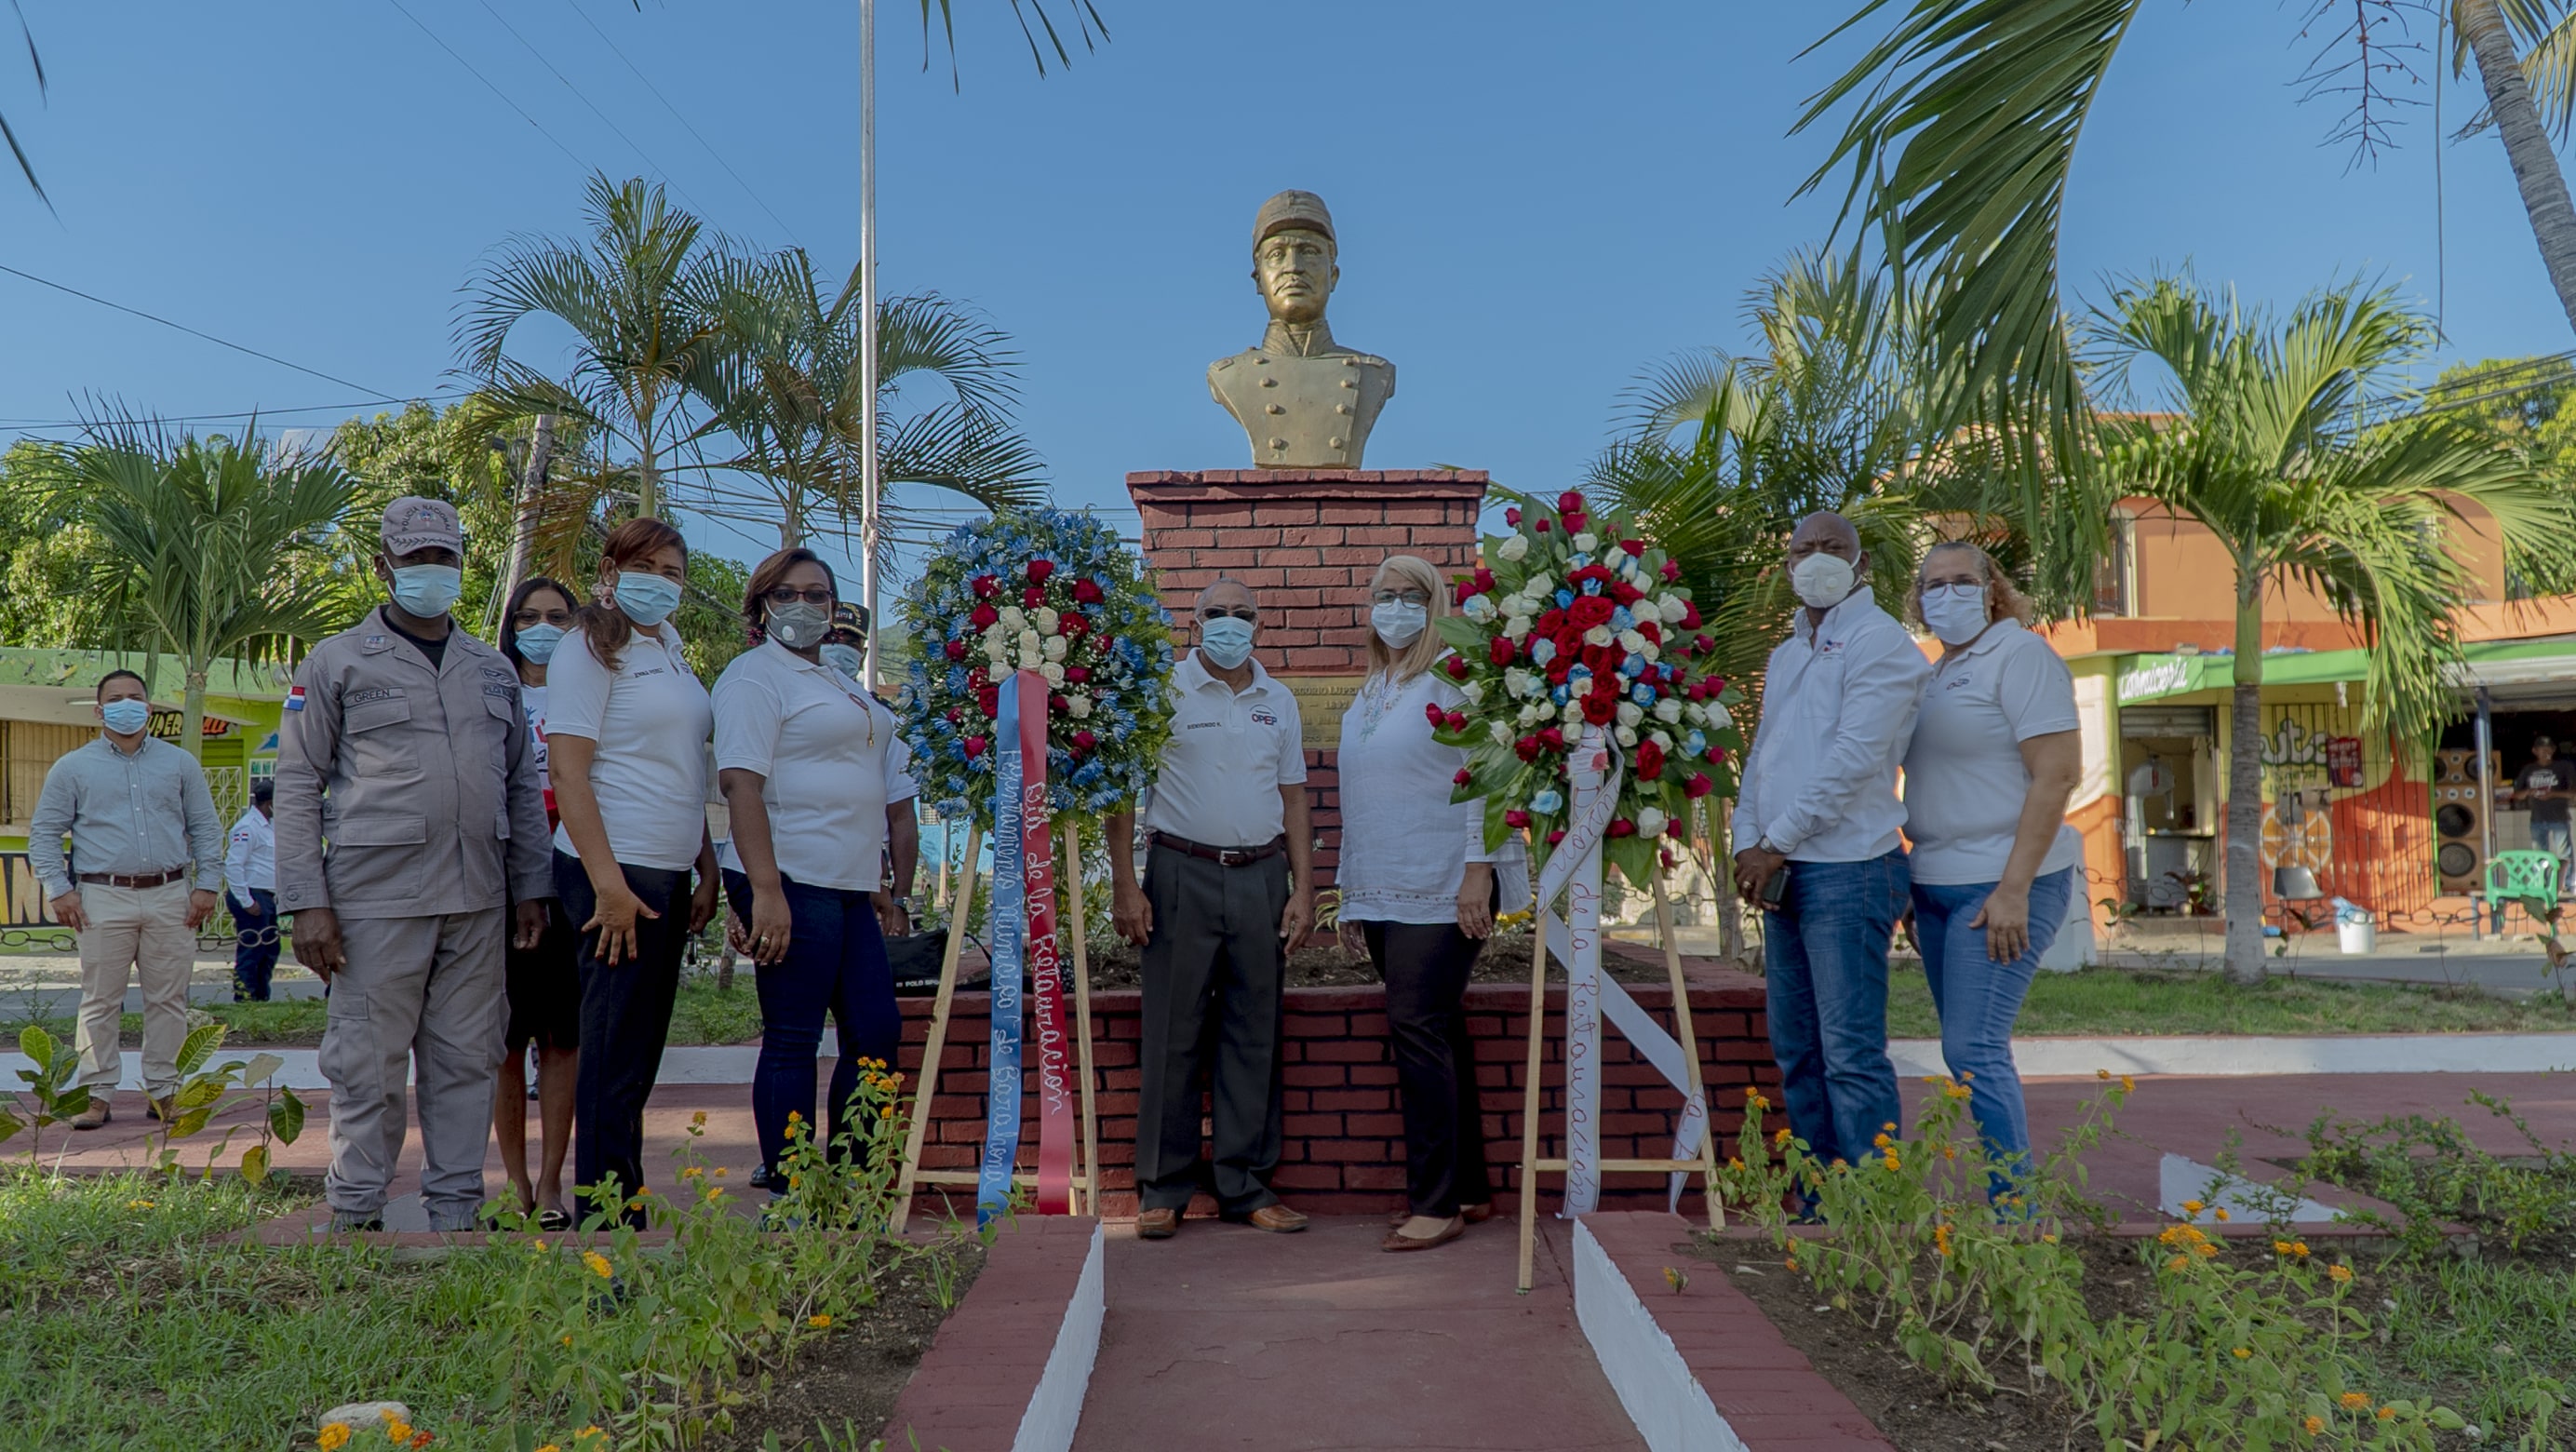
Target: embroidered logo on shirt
[[1955, 682], [1264, 716]]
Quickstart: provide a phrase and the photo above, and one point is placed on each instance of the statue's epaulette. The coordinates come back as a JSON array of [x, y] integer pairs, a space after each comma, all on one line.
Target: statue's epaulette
[[1225, 362]]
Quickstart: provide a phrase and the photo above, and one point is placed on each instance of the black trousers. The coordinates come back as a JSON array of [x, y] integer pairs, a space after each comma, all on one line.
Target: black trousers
[[1212, 1007], [1426, 967], [625, 1021]]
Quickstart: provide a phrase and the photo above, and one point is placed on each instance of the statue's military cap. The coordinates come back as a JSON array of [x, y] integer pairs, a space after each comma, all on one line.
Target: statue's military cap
[[1302, 211]]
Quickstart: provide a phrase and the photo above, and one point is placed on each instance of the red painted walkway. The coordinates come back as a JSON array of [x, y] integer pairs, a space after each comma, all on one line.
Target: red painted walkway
[[1226, 1339]]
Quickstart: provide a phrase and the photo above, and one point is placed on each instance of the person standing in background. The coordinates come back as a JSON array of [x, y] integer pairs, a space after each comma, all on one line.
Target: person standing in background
[[544, 982], [140, 880], [627, 726], [250, 894], [405, 750], [2544, 788]]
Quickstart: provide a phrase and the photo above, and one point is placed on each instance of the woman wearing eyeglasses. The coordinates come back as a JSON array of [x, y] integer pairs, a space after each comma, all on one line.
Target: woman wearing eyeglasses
[[544, 983], [816, 786], [1418, 887], [626, 747]]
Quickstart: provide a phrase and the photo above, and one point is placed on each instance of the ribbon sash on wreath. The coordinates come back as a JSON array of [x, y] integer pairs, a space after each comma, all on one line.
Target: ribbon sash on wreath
[[1024, 939]]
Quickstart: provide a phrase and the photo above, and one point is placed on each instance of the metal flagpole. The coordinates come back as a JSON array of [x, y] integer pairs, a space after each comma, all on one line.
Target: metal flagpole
[[869, 485]]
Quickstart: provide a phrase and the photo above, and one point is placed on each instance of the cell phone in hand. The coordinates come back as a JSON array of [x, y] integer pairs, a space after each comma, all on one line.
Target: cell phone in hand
[[1775, 888]]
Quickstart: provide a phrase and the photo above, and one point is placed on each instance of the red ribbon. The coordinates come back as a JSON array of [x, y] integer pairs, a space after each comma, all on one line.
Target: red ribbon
[[1054, 1056]]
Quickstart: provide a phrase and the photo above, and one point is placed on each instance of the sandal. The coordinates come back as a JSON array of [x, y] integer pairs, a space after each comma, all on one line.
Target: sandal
[[553, 1220]]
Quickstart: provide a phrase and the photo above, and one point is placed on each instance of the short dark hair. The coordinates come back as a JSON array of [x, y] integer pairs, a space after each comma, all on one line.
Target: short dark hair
[[263, 789], [765, 577], [104, 680]]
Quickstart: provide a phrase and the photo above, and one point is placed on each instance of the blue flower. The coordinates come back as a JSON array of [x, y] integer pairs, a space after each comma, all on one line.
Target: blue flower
[[1546, 803], [1633, 667], [1642, 695], [1578, 673], [1592, 587], [1695, 743], [1564, 597], [1620, 619], [1559, 695]]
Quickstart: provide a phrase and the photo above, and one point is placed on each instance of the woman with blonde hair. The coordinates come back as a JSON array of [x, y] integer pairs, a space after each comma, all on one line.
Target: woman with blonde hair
[[1418, 887], [1995, 755]]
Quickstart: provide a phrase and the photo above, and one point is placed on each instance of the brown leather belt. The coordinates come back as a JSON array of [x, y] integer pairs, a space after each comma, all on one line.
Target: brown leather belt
[[1224, 856], [149, 879]]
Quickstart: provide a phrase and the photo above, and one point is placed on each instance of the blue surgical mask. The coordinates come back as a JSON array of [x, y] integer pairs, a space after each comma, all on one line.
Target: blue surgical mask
[[425, 591], [537, 643], [127, 715], [1226, 641], [648, 600], [843, 658]]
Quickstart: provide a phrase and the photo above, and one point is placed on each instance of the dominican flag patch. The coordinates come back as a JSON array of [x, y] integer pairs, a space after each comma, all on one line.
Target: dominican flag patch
[[295, 698]]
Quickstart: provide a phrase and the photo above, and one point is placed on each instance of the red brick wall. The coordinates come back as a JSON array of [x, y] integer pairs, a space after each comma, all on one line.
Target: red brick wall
[[1307, 541], [1345, 1127]]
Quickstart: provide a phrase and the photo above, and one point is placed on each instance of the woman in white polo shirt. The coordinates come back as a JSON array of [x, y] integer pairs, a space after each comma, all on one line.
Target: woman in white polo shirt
[[1994, 757], [1418, 884], [626, 735], [814, 781]]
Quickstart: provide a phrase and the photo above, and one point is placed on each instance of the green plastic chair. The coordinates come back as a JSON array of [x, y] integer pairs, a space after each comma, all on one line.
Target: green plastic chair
[[2513, 876]]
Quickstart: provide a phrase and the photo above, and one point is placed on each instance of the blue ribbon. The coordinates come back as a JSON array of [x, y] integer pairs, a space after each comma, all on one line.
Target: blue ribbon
[[1009, 939]]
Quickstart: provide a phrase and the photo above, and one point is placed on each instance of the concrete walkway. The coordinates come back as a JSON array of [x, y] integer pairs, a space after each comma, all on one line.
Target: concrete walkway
[[1225, 1339]]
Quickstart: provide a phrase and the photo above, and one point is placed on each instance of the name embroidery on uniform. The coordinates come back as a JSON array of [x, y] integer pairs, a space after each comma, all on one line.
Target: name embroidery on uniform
[[371, 693]]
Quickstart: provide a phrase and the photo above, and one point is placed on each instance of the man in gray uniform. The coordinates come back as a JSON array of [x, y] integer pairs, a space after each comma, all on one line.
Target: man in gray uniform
[[408, 816]]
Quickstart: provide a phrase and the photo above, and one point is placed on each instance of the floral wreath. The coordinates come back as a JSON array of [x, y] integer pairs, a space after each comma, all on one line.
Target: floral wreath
[[1573, 620], [1056, 593]]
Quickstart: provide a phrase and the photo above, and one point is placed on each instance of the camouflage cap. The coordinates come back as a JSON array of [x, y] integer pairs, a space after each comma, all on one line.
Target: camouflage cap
[[413, 523], [1301, 211]]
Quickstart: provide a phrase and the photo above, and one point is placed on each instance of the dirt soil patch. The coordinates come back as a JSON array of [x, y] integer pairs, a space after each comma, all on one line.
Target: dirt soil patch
[[1506, 959], [839, 1391]]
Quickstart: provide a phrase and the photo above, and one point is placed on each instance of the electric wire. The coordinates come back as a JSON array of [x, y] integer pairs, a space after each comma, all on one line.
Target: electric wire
[[632, 144], [197, 333], [682, 117], [487, 85]]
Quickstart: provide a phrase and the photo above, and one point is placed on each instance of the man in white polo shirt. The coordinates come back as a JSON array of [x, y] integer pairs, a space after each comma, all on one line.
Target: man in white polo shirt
[[1228, 895]]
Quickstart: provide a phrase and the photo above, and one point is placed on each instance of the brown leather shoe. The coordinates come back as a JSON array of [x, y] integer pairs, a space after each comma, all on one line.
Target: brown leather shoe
[[1397, 1240], [96, 1115], [160, 1108], [1472, 1214], [1157, 1224], [1276, 1218]]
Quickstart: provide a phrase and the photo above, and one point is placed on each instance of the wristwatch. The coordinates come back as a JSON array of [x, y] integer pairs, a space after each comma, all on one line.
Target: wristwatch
[[904, 903]]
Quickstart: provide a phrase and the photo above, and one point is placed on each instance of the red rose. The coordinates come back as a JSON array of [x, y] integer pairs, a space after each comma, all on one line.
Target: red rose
[[1552, 738], [1457, 721], [954, 716], [989, 701], [1589, 611], [1512, 517], [1463, 777], [1556, 836], [957, 650], [986, 587], [1702, 645], [1074, 624], [985, 617], [1650, 761], [1457, 667], [1527, 748], [1032, 597], [1569, 502], [1500, 649], [1636, 547], [1085, 592], [1622, 827], [1085, 742], [974, 747], [1690, 615], [1057, 704], [1039, 570], [1717, 755], [1574, 524], [1539, 524], [977, 679], [1600, 709], [1484, 581], [1516, 818], [1438, 716], [1651, 631], [1716, 684], [1625, 593], [1462, 592], [1674, 830], [1672, 571], [1077, 674]]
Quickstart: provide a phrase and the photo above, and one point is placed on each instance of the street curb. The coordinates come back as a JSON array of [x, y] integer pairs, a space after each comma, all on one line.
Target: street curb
[[2220, 1055]]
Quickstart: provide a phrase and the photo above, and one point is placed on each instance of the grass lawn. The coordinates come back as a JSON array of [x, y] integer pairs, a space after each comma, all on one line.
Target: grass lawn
[[2128, 1001], [704, 1014]]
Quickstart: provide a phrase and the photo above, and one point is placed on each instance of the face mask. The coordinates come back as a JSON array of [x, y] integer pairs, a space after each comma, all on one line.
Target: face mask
[[1226, 641], [1955, 613], [1822, 581], [798, 625], [127, 716], [648, 600], [426, 591], [537, 643], [844, 658], [1398, 622]]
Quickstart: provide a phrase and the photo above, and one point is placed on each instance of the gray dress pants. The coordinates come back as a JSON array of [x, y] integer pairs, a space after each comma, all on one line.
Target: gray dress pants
[[423, 995], [1212, 979]]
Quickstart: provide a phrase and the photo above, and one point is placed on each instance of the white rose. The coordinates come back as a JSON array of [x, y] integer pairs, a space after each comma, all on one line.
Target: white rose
[[1077, 706], [1661, 740], [1630, 713], [1669, 711], [1014, 619], [1474, 691], [1540, 586], [1533, 712], [1587, 542], [1598, 635], [1030, 660], [1028, 641], [1517, 628], [1515, 548], [994, 648], [1500, 731], [1624, 735], [1054, 673], [1055, 647], [1651, 651], [1572, 715], [1651, 822], [1672, 608], [1631, 642], [1478, 607], [1047, 621]]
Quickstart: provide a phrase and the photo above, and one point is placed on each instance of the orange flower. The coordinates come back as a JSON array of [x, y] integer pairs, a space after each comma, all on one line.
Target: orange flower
[[2339, 1272], [2314, 1425], [2354, 1400]]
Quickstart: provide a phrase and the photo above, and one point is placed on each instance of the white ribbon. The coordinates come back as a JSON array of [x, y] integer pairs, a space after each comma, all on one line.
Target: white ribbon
[[1574, 867]]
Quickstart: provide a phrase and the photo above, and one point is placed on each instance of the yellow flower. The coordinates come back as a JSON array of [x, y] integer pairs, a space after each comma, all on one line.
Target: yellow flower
[[2047, 1239], [2220, 1212], [1892, 1162], [2314, 1425], [1780, 1135], [2244, 1353], [795, 1116], [1882, 1141], [590, 1431], [1754, 1100], [2339, 1272], [1941, 1238], [795, 1180], [335, 1435], [2178, 1263], [1792, 1262], [2102, 1074], [2299, 1248], [721, 1172], [397, 1431], [1957, 1091], [819, 1322], [2128, 1084], [1889, 1127], [2193, 1207], [699, 1118], [138, 1204], [1949, 1151], [567, 1340], [693, 1172], [2386, 1414], [598, 1264], [886, 1113], [2280, 1247], [2355, 1400]]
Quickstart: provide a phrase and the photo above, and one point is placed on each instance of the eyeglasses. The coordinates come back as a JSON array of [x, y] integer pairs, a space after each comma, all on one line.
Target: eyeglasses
[[789, 595], [1244, 613], [1399, 597]]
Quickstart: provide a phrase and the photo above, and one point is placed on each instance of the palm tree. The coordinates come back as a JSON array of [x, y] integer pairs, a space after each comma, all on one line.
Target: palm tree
[[641, 296], [1968, 116], [205, 536], [789, 394], [2265, 442]]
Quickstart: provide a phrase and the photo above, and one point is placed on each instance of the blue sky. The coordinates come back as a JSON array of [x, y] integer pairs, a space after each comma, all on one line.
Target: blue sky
[[1535, 201]]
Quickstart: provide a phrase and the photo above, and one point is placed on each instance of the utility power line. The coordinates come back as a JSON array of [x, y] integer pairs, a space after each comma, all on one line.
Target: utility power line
[[487, 85], [198, 333], [630, 141], [682, 117]]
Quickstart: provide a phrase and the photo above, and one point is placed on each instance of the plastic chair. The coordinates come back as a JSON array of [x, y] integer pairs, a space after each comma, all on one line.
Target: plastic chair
[[2512, 876]]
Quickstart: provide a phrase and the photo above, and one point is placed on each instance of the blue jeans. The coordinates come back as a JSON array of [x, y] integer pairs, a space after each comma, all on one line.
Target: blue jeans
[[1826, 981], [1978, 999], [254, 943], [836, 961]]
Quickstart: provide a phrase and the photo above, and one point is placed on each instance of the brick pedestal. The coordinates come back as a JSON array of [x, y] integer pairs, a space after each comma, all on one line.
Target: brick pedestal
[[1307, 541]]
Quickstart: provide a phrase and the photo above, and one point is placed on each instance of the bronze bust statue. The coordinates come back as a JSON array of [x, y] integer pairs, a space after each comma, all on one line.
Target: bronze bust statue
[[1305, 402]]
